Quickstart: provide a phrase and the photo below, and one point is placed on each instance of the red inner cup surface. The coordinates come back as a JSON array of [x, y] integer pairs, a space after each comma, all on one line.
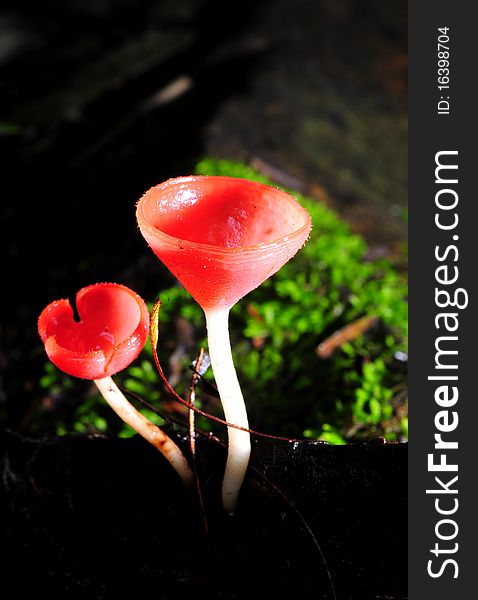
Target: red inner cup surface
[[110, 334], [221, 236], [108, 316], [223, 212]]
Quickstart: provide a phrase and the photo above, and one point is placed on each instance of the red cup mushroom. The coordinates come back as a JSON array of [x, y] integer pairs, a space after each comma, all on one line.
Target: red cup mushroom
[[111, 331], [222, 237]]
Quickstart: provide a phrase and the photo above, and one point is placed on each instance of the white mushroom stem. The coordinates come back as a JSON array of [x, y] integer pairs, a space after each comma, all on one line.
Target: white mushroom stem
[[151, 432], [239, 447]]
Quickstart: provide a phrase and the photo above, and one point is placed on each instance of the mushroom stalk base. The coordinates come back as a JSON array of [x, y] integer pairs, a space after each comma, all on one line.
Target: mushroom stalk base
[[150, 432], [232, 403]]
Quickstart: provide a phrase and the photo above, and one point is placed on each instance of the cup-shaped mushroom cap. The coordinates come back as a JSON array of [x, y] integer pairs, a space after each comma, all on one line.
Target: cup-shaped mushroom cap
[[221, 236], [112, 330]]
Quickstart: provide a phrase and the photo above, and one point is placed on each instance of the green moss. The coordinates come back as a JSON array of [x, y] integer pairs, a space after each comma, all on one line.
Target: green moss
[[276, 329], [357, 392]]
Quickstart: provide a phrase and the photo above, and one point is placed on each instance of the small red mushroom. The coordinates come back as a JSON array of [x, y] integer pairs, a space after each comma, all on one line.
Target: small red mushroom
[[111, 331], [222, 237]]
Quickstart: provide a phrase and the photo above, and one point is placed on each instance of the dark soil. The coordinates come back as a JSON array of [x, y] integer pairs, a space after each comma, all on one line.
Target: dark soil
[[102, 518]]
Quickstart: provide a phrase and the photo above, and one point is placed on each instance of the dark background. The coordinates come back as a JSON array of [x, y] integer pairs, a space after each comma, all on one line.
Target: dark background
[[98, 102], [101, 100]]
